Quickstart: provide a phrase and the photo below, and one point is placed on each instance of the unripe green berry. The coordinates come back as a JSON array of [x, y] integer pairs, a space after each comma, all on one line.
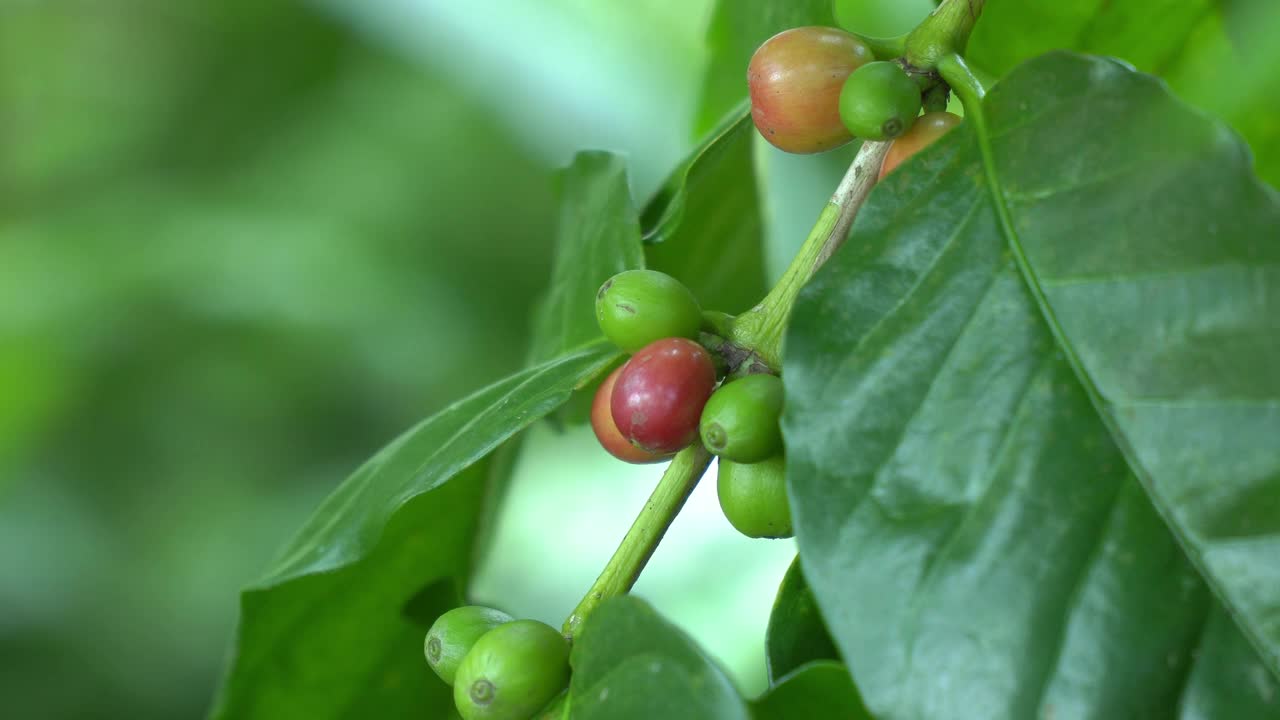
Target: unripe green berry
[[740, 421], [453, 634], [879, 101], [512, 672], [636, 307], [754, 497]]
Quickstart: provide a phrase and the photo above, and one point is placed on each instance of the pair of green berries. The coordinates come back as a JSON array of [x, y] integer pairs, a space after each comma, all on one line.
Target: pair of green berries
[[500, 668], [665, 398]]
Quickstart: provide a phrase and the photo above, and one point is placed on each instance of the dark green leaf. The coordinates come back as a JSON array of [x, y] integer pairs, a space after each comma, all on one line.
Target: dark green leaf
[[796, 633], [630, 663], [1214, 53], [1155, 223], [1229, 681], [737, 28], [330, 631], [967, 522], [597, 237], [704, 226], [821, 689]]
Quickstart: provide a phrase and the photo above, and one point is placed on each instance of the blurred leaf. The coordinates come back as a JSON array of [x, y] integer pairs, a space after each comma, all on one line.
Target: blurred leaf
[[630, 663], [821, 689], [877, 18], [323, 634], [796, 633], [737, 28], [1148, 33], [966, 520], [597, 237], [1216, 54], [194, 95], [704, 226], [563, 75]]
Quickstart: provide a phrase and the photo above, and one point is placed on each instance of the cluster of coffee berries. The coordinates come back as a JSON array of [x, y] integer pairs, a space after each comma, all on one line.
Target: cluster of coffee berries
[[648, 409], [665, 397], [816, 88], [740, 425], [500, 668]]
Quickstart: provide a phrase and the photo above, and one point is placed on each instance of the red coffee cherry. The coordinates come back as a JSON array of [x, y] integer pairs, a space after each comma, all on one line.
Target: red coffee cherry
[[795, 79], [606, 429], [928, 128], [658, 398]]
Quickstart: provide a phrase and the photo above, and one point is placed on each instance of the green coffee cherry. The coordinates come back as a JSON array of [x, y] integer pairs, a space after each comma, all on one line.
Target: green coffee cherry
[[512, 672], [557, 709], [637, 307], [754, 497], [740, 421], [453, 634], [879, 101]]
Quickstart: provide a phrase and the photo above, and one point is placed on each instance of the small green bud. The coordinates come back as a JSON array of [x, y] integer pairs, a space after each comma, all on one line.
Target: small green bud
[[512, 672], [740, 421], [637, 307], [754, 497], [453, 634], [879, 101]]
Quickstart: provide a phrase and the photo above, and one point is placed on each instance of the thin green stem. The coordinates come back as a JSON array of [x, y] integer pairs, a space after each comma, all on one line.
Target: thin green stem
[[963, 81], [944, 32], [762, 328], [646, 532], [885, 48]]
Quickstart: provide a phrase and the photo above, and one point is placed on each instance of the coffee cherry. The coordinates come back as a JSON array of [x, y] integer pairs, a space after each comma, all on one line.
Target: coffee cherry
[[928, 128], [453, 634], [607, 430], [512, 672], [754, 497], [557, 709], [658, 398], [740, 421], [636, 307], [794, 79], [879, 101]]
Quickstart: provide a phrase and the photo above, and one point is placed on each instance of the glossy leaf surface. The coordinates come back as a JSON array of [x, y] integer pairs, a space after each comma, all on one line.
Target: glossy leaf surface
[[796, 634], [630, 664], [966, 512], [821, 689]]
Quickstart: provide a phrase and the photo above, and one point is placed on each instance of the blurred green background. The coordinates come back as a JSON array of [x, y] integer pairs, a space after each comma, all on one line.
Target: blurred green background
[[244, 243]]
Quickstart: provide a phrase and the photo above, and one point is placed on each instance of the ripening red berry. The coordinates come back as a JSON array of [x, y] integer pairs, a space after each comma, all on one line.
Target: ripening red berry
[[607, 430], [795, 79], [928, 128], [658, 398]]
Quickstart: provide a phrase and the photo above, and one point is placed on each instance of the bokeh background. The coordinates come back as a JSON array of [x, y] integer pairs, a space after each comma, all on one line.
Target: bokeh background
[[244, 243]]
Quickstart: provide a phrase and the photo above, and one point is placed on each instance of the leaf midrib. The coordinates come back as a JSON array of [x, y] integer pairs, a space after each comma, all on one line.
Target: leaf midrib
[[1167, 514]]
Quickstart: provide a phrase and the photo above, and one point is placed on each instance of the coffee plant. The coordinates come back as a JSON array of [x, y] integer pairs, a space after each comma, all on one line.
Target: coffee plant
[[1017, 397]]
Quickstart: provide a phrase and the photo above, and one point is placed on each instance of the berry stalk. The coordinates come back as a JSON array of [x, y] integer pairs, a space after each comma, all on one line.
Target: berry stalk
[[646, 532], [763, 327], [944, 32]]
